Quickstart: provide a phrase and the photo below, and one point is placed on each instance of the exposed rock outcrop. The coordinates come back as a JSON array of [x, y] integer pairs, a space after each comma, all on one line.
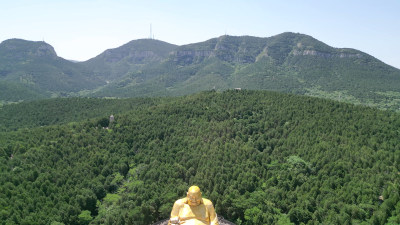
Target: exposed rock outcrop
[[325, 54], [195, 53], [111, 56], [45, 50]]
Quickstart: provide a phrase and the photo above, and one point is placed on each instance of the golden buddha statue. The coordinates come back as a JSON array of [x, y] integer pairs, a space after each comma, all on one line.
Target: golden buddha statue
[[193, 210]]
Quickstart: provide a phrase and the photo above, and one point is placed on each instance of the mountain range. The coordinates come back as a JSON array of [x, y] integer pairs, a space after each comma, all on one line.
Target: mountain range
[[288, 62]]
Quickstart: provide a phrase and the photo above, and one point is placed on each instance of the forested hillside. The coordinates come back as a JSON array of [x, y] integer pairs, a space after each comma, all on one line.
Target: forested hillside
[[261, 157], [32, 70], [64, 110], [114, 64]]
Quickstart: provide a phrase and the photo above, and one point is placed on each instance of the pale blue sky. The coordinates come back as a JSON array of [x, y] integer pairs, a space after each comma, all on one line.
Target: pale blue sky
[[82, 29]]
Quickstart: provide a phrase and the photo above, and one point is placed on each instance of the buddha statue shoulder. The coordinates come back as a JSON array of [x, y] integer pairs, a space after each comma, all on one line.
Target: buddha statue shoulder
[[193, 210]]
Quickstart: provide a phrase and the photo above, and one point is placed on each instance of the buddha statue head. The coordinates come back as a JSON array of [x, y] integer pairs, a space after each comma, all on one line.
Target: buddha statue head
[[194, 196]]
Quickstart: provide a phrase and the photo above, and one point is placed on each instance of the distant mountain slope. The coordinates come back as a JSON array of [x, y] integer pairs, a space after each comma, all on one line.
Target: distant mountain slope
[[14, 92], [36, 67], [115, 63], [287, 62]]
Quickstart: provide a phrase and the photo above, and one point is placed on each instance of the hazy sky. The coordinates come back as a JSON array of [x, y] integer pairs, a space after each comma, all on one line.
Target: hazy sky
[[82, 29]]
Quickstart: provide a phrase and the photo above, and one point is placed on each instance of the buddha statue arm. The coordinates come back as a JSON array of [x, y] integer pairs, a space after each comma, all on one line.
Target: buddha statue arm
[[211, 212], [174, 219]]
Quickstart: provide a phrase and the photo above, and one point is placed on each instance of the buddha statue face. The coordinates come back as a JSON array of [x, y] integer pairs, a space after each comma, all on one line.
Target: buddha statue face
[[194, 196]]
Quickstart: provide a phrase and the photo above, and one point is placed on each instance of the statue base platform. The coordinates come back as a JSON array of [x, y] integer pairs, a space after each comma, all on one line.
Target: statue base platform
[[221, 220]]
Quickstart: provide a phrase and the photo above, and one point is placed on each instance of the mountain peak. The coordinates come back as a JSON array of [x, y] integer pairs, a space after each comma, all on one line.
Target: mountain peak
[[19, 48], [128, 57], [136, 50]]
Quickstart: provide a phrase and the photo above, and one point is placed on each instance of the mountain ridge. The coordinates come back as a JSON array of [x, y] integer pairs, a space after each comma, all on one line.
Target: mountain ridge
[[287, 62], [35, 68]]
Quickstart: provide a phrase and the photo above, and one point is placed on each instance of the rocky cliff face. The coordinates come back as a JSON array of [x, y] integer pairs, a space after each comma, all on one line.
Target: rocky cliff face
[[113, 56], [325, 54], [184, 57], [230, 49], [195, 53], [45, 50]]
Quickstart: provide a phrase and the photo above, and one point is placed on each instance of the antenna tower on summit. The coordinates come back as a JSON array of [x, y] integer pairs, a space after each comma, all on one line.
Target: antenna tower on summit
[[151, 33]]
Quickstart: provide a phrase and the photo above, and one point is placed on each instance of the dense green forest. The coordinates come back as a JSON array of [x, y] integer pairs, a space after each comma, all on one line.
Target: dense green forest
[[64, 110], [11, 92], [261, 157]]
